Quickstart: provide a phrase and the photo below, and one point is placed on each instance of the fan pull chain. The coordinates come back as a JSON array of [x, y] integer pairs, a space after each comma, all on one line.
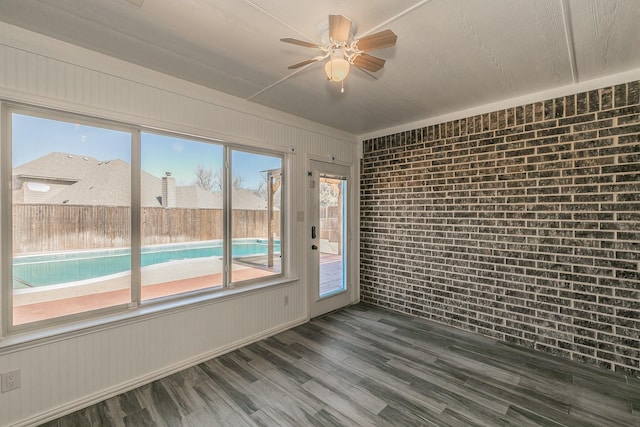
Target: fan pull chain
[[342, 88]]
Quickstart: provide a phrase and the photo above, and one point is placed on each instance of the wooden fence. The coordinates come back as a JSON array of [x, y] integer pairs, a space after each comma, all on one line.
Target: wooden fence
[[52, 228], [331, 225]]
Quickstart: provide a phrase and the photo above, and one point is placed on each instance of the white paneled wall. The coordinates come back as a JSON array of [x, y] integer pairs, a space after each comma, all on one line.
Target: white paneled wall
[[65, 374], [61, 375]]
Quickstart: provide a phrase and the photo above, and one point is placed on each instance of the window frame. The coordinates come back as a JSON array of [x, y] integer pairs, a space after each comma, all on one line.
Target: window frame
[[138, 234], [229, 212], [9, 332]]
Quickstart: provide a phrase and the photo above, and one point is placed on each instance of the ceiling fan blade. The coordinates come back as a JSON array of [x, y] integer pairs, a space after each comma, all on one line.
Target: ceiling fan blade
[[386, 38], [303, 63], [368, 62], [339, 28], [300, 43]]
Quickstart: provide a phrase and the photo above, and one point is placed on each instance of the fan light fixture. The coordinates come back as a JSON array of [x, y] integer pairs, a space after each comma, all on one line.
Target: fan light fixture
[[343, 51], [337, 68]]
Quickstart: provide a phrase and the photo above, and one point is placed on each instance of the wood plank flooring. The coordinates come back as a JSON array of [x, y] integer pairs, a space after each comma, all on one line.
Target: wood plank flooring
[[367, 366]]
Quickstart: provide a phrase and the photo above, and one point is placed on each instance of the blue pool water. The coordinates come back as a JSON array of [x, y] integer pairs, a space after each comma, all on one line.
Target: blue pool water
[[52, 269]]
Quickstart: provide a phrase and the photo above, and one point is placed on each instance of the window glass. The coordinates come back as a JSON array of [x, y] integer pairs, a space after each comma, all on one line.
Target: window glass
[[255, 218], [71, 218], [182, 215], [332, 234]]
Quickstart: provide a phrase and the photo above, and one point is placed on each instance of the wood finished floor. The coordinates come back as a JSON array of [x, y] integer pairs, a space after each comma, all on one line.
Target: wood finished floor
[[367, 366]]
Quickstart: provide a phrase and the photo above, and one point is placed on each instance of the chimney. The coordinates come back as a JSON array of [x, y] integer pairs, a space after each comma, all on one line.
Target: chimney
[[168, 191]]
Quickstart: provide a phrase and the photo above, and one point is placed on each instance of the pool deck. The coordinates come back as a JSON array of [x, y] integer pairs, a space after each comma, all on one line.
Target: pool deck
[[78, 304], [70, 305]]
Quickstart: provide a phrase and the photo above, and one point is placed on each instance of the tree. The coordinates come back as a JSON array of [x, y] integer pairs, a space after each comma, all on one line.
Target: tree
[[237, 182], [205, 178], [261, 189], [328, 194], [211, 179]]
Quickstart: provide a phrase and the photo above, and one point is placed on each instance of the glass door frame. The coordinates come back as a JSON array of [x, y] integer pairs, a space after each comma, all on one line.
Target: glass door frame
[[319, 305]]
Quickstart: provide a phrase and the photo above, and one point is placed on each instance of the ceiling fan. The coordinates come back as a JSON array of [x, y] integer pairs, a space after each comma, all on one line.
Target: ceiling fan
[[343, 52]]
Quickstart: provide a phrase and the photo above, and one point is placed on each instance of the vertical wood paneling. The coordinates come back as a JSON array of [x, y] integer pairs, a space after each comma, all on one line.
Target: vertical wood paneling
[[73, 370], [62, 372]]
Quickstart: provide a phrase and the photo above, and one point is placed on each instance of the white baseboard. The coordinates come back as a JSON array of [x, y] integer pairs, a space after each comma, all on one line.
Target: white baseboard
[[78, 404]]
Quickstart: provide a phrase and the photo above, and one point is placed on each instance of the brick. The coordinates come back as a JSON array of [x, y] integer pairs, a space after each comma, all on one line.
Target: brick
[[559, 107], [619, 112], [633, 93], [606, 98], [594, 101], [620, 95], [577, 119], [619, 130], [582, 103], [569, 105], [625, 120]]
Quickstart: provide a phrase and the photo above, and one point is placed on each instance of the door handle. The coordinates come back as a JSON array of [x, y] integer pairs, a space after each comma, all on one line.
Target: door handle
[[314, 247]]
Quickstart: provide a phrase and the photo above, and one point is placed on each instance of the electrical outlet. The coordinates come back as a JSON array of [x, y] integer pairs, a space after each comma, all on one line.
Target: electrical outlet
[[10, 380], [286, 300]]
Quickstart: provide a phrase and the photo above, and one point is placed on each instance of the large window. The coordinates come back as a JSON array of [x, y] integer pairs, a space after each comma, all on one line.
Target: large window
[[205, 216]]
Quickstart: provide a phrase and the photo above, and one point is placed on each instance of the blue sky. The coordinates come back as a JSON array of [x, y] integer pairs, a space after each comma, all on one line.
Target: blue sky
[[161, 153], [35, 137]]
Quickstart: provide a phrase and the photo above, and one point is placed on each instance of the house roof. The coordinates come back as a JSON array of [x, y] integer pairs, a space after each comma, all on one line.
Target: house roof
[[193, 195], [92, 182], [58, 166]]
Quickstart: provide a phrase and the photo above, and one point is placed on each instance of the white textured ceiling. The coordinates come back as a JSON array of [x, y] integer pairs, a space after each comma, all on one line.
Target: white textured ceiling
[[451, 55]]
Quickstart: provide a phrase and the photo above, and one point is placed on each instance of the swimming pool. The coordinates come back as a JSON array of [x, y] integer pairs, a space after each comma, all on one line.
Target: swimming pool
[[52, 269]]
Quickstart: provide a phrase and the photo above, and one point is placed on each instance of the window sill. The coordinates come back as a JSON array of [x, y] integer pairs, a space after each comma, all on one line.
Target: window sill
[[149, 310]]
